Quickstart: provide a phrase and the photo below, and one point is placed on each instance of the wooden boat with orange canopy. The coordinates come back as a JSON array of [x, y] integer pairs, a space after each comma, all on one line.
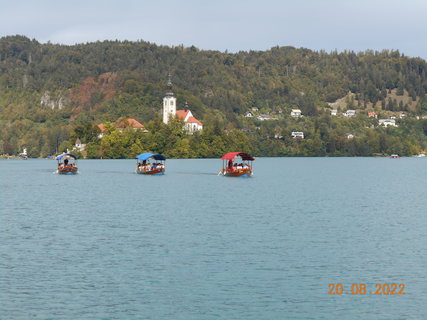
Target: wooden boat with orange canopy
[[237, 164], [67, 163], [144, 166]]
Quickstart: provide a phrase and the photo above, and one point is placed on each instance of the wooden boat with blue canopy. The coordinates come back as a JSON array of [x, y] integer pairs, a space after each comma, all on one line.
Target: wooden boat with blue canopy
[[150, 163], [237, 164], [67, 163]]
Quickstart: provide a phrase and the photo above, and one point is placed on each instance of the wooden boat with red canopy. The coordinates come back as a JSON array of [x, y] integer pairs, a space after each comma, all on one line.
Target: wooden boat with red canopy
[[67, 163], [237, 164], [144, 166]]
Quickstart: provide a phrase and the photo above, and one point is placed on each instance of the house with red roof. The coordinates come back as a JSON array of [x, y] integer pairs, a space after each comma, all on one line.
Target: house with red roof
[[372, 114], [191, 124], [121, 124]]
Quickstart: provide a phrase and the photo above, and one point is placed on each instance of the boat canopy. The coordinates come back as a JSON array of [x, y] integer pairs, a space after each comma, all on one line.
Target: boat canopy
[[232, 155], [146, 156], [66, 156]]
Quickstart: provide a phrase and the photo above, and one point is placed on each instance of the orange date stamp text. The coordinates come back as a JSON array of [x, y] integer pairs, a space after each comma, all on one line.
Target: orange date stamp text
[[363, 288]]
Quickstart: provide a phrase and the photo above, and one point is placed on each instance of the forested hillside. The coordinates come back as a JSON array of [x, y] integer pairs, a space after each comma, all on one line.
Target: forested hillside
[[51, 94]]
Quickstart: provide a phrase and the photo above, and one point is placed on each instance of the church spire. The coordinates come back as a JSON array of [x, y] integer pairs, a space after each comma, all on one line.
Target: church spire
[[169, 86], [169, 102]]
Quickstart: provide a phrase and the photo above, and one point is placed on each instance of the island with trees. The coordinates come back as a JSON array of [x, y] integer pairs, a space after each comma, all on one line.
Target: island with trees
[[280, 102]]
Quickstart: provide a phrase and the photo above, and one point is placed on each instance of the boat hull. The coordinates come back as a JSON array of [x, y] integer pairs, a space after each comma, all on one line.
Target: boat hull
[[67, 170], [245, 172], [151, 172]]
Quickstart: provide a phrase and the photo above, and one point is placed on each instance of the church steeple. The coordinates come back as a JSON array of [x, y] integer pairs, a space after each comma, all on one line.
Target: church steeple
[[169, 86], [169, 102]]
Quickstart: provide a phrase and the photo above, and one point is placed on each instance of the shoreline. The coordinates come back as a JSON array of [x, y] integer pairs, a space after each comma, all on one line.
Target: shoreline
[[422, 155]]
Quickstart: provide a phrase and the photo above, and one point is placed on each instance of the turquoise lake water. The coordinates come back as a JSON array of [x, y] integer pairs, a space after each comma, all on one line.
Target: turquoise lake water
[[111, 244]]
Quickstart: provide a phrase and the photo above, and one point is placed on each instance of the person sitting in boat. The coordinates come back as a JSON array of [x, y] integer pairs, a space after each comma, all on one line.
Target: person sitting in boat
[[65, 162], [144, 165]]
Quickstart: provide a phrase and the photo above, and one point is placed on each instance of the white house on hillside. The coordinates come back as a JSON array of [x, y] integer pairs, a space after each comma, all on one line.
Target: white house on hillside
[[350, 113], [296, 113], [263, 117], [297, 134], [334, 112], [387, 122]]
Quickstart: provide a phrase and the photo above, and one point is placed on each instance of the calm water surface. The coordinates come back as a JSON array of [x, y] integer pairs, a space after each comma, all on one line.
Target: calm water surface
[[110, 244]]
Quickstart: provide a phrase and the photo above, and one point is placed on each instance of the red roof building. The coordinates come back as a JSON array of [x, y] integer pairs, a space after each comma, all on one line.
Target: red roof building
[[101, 127], [121, 124], [194, 120], [191, 124], [182, 114], [129, 122]]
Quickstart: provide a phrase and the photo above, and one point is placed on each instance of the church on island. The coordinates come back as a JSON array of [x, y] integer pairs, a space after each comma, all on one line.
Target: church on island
[[191, 124]]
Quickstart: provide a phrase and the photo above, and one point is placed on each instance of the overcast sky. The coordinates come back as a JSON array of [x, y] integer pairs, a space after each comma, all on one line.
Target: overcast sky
[[231, 25]]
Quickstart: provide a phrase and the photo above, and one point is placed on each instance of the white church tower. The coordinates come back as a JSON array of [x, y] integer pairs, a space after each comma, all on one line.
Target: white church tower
[[169, 103]]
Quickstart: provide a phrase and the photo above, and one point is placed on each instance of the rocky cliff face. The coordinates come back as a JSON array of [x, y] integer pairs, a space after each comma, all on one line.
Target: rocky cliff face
[[53, 100], [92, 90]]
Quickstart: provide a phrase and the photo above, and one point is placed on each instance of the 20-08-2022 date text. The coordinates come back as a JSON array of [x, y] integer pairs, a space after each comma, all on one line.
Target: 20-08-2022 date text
[[363, 288]]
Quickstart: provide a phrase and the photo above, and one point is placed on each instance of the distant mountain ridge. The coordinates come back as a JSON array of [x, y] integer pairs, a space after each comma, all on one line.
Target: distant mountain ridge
[[244, 79]]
